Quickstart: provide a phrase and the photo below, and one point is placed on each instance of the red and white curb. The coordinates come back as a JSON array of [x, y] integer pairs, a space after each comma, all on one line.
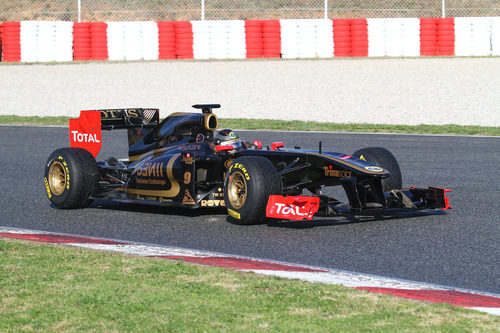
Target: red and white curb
[[481, 301]]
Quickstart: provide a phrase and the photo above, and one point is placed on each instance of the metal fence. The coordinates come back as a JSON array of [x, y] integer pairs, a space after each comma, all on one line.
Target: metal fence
[[159, 10]]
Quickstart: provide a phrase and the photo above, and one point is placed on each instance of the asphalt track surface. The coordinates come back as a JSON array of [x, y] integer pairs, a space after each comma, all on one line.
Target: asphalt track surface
[[458, 248]]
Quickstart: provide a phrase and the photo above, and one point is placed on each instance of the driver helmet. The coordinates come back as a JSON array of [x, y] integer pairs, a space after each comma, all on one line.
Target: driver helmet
[[227, 137]]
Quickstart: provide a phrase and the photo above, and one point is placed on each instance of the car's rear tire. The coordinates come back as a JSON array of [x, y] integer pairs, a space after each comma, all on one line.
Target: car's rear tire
[[385, 159], [71, 176], [249, 182]]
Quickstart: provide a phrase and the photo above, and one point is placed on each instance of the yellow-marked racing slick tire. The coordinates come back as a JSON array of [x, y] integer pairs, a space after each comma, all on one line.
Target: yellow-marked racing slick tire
[[249, 182], [71, 176], [384, 159]]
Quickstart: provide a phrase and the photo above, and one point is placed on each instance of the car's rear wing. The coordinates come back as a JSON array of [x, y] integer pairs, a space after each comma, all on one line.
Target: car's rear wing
[[85, 132], [129, 118]]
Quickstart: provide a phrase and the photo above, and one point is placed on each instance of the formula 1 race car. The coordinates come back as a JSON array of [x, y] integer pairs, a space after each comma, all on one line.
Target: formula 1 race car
[[183, 160]]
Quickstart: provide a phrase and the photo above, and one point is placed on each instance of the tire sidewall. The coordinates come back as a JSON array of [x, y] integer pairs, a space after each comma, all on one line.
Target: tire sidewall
[[259, 186], [73, 195], [240, 165], [58, 157]]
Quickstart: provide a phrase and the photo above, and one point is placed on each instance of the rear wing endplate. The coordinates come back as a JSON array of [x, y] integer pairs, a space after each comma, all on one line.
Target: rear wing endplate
[[85, 132]]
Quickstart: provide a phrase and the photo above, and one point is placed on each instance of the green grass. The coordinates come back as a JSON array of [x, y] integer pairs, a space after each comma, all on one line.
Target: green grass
[[334, 127], [34, 120], [48, 288], [265, 124]]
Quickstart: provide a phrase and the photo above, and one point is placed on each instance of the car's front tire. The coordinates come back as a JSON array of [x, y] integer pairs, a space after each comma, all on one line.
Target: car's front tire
[[249, 182], [71, 176]]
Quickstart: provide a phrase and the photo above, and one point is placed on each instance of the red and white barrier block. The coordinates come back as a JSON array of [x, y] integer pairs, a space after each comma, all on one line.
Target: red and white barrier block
[[306, 38], [476, 300], [132, 40], [1, 34], [47, 41], [495, 36], [398, 37], [473, 36], [11, 41], [219, 39]]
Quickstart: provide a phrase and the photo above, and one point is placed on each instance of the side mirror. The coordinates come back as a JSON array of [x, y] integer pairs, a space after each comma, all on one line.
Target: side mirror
[[277, 145], [257, 144]]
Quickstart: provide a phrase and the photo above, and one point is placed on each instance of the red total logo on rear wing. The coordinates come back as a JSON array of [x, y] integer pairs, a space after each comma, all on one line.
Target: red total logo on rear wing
[[85, 132]]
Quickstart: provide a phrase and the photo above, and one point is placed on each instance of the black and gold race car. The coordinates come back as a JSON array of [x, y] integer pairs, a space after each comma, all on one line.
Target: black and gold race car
[[183, 160]]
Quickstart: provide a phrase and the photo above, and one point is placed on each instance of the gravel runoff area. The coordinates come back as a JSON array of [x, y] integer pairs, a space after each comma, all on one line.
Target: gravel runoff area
[[463, 91]]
